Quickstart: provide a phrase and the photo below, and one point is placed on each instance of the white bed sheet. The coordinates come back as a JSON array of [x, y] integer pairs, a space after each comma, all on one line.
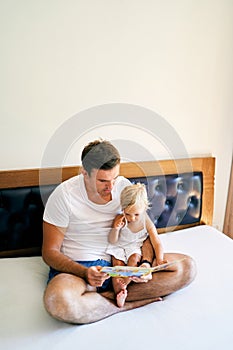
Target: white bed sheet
[[199, 316]]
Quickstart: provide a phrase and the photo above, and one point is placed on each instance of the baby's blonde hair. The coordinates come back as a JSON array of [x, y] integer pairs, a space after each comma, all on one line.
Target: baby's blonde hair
[[134, 195]]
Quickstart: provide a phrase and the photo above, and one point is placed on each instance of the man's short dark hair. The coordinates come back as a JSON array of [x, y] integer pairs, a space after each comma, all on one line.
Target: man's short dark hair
[[99, 154]]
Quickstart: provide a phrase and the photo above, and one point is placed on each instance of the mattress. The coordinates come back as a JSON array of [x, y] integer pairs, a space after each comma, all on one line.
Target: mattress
[[199, 316]]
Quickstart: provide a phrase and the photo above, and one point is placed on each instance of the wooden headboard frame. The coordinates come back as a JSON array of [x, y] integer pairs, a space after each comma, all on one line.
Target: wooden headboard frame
[[35, 177]]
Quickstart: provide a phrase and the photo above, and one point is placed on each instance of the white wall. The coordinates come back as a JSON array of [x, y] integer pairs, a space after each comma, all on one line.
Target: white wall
[[173, 57]]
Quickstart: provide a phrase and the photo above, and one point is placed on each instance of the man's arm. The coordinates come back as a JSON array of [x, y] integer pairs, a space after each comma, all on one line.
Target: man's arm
[[155, 241], [51, 252], [148, 252]]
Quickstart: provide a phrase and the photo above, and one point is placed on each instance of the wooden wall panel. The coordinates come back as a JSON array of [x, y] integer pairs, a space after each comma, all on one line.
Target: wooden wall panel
[[228, 222]]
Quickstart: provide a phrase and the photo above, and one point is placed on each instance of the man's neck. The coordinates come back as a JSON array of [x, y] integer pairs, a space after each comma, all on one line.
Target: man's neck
[[97, 199]]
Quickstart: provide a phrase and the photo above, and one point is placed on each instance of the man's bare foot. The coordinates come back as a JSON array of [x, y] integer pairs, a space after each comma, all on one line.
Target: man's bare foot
[[120, 297]]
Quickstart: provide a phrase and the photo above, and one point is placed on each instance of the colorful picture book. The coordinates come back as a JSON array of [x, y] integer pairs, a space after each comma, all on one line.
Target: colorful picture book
[[130, 271]]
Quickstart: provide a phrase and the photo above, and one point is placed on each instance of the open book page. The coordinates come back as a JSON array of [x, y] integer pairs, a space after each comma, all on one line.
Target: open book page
[[130, 271]]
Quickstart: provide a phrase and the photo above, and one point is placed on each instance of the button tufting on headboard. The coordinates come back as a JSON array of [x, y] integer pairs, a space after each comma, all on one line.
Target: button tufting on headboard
[[175, 200]]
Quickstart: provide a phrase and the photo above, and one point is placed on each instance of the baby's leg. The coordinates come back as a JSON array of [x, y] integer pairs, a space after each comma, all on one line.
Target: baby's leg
[[134, 259], [119, 284], [122, 283]]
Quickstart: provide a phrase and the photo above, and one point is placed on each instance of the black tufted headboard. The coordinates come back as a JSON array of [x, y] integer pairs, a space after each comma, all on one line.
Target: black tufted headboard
[[176, 200], [21, 212]]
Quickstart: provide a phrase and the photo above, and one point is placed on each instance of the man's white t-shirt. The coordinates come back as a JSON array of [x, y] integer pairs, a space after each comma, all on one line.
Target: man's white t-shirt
[[87, 224]]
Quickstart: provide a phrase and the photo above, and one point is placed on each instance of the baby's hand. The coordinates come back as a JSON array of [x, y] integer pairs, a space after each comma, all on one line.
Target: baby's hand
[[119, 221]]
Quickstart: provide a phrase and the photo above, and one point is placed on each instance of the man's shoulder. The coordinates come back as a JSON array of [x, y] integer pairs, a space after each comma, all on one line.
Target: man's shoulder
[[67, 185], [72, 180], [122, 179], [122, 182]]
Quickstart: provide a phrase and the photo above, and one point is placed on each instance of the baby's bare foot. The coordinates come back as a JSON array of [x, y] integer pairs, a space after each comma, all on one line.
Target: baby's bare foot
[[119, 284], [120, 298]]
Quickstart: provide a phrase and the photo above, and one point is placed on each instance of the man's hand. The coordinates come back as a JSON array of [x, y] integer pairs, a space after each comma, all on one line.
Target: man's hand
[[161, 262], [94, 277], [143, 279]]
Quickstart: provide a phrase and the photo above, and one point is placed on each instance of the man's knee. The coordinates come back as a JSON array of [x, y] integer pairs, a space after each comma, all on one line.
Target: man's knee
[[62, 298], [58, 303], [190, 269]]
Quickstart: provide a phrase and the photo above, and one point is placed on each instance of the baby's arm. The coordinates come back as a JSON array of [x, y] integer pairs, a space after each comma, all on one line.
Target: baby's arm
[[117, 225], [155, 241]]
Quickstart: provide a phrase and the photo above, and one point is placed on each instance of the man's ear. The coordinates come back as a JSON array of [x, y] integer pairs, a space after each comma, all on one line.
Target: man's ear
[[84, 172]]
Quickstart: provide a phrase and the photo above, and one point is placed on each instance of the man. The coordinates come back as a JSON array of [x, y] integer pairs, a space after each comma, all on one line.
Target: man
[[77, 219]]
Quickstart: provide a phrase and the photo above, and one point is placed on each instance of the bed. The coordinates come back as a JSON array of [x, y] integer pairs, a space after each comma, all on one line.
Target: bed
[[199, 316]]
